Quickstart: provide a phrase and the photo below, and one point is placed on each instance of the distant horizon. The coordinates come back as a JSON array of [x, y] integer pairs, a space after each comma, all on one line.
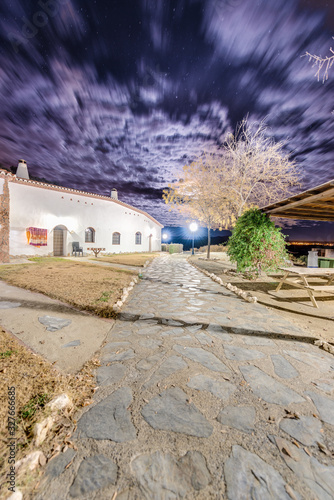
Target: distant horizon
[[182, 234]]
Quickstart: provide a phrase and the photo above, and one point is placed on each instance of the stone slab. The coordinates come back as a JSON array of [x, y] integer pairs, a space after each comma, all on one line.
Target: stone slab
[[241, 354], [94, 473], [149, 362], [57, 465], [162, 476], [151, 343], [220, 389], [306, 430], [204, 339], [194, 328], [110, 374], [318, 477], [167, 368], [115, 346], [74, 343], [174, 331], [247, 476], [109, 419], [269, 389], [324, 405], [326, 385], [322, 363], [185, 337], [171, 411], [121, 356], [282, 367], [252, 340], [53, 324], [150, 330], [205, 358], [238, 417], [219, 332]]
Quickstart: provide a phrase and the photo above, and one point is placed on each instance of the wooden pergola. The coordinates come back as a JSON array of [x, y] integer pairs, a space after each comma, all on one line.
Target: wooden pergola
[[315, 204]]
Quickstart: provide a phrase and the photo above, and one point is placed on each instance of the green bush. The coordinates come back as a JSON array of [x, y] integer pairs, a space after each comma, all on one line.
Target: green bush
[[256, 244], [175, 248]]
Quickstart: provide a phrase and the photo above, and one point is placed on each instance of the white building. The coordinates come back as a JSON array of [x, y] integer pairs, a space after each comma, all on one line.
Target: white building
[[43, 219]]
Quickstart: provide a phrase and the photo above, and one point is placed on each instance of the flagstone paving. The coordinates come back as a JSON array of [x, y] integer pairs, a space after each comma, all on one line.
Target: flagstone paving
[[201, 396]]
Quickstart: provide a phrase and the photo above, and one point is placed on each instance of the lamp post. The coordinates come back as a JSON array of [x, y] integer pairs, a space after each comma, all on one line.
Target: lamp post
[[193, 228], [165, 238]]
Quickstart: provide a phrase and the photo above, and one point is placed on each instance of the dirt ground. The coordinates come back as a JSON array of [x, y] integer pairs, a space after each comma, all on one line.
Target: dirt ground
[[128, 259], [36, 382], [85, 286], [294, 304]]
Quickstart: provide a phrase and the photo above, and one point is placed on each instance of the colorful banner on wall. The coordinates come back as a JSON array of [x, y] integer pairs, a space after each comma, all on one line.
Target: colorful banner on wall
[[37, 237]]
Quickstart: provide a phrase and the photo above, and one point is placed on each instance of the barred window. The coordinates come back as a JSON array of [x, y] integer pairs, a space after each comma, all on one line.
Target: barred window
[[116, 238], [138, 238], [89, 235]]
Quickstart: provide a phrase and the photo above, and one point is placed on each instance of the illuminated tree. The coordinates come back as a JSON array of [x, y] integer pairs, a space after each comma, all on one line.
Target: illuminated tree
[[197, 195], [257, 171], [249, 170]]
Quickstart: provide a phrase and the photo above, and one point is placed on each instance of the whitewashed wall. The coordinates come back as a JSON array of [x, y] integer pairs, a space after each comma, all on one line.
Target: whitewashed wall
[[32, 206]]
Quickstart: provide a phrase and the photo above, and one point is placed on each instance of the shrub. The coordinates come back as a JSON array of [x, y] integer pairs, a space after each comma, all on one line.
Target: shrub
[[175, 248], [256, 244], [222, 247]]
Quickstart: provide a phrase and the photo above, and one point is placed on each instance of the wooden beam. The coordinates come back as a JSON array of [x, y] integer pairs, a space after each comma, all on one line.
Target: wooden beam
[[312, 210], [310, 199], [292, 215]]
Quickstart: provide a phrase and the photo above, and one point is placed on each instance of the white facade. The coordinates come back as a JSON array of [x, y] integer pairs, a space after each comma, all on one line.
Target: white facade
[[38, 205]]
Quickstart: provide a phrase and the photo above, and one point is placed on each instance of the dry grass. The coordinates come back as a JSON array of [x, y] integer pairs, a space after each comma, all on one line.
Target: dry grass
[[85, 286], [33, 378], [128, 259]]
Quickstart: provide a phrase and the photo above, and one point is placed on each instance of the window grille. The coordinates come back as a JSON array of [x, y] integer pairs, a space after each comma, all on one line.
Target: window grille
[[138, 238], [116, 238]]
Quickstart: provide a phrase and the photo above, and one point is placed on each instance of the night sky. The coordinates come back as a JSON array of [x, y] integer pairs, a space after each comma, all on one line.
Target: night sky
[[123, 93]]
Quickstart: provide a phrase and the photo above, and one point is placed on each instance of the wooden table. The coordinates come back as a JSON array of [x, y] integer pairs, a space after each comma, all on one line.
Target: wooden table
[[300, 275], [96, 251]]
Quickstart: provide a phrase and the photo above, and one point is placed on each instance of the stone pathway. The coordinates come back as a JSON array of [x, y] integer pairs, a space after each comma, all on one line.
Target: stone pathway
[[201, 396]]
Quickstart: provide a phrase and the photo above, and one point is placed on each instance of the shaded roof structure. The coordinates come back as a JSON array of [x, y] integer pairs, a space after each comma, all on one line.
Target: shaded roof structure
[[315, 204]]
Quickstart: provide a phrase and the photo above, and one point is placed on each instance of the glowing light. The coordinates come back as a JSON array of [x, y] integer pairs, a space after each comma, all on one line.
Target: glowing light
[[165, 236], [193, 227]]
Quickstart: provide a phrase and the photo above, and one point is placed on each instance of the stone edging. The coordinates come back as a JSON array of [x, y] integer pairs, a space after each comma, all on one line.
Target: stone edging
[[247, 296], [119, 304]]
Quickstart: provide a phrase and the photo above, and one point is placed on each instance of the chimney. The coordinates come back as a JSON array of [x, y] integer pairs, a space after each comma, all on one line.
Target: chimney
[[114, 194], [22, 170]]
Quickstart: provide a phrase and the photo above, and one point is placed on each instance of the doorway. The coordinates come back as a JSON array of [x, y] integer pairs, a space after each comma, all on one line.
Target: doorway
[[58, 241]]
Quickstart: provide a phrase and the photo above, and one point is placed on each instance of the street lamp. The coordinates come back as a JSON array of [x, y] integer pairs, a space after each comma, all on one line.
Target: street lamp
[[165, 236], [193, 228]]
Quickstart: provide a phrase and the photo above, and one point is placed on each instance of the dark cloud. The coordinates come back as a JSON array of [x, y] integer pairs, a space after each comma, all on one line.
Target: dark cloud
[[97, 94]]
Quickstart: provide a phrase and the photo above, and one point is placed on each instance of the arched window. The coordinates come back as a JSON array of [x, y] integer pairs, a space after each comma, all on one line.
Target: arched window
[[138, 238], [90, 235], [116, 238]]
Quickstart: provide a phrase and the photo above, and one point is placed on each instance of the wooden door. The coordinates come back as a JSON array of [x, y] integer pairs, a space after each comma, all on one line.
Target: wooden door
[[58, 242]]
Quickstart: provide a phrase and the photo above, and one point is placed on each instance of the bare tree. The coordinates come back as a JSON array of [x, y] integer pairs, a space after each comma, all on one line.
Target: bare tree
[[323, 64], [196, 195], [256, 169], [249, 170]]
